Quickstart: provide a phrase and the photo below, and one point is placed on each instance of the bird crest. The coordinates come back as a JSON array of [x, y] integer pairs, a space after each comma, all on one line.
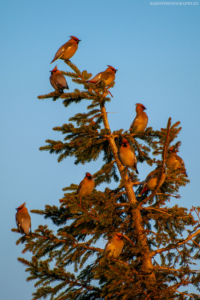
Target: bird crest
[[112, 68], [75, 38], [124, 141], [21, 206], [54, 69], [88, 175], [141, 105]]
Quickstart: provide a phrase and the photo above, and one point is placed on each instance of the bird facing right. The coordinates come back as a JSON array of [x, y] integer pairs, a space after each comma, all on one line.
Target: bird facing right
[[23, 219], [108, 76], [86, 186], [67, 50], [115, 245], [141, 120], [175, 161]]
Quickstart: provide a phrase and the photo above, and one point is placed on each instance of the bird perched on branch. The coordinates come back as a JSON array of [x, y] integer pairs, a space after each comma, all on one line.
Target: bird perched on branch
[[152, 179], [67, 50], [108, 76], [175, 161], [115, 245], [23, 219], [127, 155], [86, 186], [141, 120], [57, 80]]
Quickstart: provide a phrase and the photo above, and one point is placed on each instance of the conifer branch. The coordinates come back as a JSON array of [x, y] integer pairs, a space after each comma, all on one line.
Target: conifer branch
[[173, 246]]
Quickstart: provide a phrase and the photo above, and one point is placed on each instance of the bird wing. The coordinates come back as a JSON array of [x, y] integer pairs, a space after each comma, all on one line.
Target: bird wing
[[96, 78], [151, 175], [26, 224], [18, 224], [61, 50], [61, 81], [79, 187], [107, 247], [54, 85], [180, 160], [105, 75]]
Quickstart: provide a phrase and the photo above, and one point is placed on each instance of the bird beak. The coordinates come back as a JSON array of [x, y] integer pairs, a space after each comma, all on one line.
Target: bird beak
[[144, 108], [116, 70]]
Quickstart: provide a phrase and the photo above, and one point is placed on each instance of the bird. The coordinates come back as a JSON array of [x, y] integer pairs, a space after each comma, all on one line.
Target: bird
[[57, 80], [151, 180], [108, 76], [175, 161], [115, 245], [127, 155], [67, 50], [141, 120], [23, 219], [86, 186]]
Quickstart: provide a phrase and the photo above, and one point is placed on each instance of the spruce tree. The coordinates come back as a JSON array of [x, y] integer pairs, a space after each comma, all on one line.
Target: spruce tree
[[161, 243]]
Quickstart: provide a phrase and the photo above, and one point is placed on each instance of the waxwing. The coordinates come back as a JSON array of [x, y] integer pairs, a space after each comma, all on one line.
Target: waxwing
[[108, 76], [57, 80], [140, 122], [151, 180], [127, 155], [175, 161], [23, 219], [86, 186], [115, 245], [67, 50]]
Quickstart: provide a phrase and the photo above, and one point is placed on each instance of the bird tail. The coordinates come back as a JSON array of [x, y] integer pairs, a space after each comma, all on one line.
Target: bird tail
[[91, 81], [53, 60], [143, 190], [135, 166]]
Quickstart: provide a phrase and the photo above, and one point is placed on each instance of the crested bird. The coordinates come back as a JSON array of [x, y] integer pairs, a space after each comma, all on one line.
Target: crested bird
[[175, 161], [86, 186], [108, 76], [67, 50], [127, 155], [57, 80], [23, 219], [140, 122], [115, 245], [151, 180]]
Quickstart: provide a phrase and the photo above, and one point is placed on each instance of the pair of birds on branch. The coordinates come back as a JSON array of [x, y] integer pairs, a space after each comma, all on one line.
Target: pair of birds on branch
[[65, 52]]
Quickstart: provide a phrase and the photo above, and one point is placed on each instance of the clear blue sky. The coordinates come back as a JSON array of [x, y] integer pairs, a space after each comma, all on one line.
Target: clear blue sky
[[156, 50]]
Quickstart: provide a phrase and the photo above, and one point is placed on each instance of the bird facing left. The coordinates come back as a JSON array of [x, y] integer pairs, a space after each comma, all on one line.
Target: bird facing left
[[23, 219], [57, 80]]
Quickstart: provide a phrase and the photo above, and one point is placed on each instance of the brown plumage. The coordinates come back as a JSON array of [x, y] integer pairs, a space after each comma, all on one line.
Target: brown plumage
[[23, 219], [141, 120], [108, 76], [57, 80], [175, 161], [86, 186], [115, 245], [67, 50], [127, 155], [151, 180]]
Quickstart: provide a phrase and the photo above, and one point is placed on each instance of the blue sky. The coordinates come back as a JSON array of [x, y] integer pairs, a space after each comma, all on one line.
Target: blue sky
[[156, 51]]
